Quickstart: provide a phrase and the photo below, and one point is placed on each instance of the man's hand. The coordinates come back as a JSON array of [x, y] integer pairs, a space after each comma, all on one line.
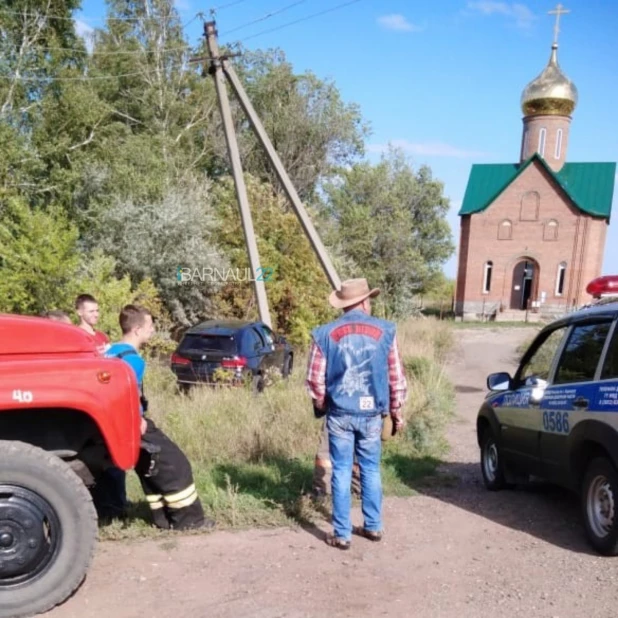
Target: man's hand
[[143, 426], [398, 420]]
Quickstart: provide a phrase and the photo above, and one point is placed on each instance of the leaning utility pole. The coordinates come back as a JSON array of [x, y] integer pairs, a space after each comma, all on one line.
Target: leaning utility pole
[[284, 179], [239, 181], [222, 63]]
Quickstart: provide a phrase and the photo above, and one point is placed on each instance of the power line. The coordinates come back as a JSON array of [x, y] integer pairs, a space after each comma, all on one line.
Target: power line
[[82, 78], [265, 17], [297, 21], [129, 52], [227, 6], [64, 18]]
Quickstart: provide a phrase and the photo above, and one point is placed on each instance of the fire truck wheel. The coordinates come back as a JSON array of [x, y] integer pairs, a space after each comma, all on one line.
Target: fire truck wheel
[[48, 529]]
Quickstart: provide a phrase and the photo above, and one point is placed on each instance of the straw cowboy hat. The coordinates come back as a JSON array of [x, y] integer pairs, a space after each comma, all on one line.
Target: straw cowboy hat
[[352, 292]]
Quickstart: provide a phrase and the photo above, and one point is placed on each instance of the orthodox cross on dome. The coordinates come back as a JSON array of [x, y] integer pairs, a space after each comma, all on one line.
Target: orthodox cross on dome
[[559, 10]]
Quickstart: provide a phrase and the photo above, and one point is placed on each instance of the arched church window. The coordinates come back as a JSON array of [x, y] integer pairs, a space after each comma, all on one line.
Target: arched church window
[[550, 230], [560, 277], [530, 206], [558, 150], [505, 230], [542, 138], [487, 272]]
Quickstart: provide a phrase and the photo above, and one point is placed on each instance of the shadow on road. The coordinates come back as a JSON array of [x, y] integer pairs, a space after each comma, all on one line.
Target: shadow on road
[[541, 510]]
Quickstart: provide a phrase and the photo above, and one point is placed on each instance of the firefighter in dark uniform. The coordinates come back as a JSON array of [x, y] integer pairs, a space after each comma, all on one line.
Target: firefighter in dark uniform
[[163, 469]]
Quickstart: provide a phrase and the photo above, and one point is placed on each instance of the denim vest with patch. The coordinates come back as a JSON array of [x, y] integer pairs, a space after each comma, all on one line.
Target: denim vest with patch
[[356, 347]]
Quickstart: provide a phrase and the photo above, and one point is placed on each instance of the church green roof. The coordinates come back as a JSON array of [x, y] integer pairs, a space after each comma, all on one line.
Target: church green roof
[[590, 186]]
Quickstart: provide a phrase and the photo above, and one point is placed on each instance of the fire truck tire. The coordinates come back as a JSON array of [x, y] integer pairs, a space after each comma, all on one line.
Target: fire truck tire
[[48, 530]]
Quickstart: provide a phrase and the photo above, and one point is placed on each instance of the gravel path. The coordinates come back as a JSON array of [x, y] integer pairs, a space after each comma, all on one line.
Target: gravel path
[[455, 551]]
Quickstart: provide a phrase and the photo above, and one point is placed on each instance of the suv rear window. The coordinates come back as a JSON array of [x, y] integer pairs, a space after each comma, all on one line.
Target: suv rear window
[[208, 343]]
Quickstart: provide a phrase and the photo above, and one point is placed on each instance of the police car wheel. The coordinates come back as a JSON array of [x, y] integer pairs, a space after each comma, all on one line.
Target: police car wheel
[[492, 466], [600, 505]]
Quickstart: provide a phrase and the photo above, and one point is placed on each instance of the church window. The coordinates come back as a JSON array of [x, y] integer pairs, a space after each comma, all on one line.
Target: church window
[[530, 206], [558, 151], [550, 230], [542, 136], [505, 230], [560, 279], [487, 272]]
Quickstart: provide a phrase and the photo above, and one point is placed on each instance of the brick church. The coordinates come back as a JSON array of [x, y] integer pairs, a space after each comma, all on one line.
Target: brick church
[[533, 233]]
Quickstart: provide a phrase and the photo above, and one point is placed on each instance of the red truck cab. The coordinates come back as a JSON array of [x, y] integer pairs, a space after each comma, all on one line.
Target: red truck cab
[[66, 414]]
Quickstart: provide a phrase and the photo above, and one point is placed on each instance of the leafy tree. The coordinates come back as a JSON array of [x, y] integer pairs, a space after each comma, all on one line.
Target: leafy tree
[[153, 239], [390, 219], [309, 125], [38, 258], [298, 289]]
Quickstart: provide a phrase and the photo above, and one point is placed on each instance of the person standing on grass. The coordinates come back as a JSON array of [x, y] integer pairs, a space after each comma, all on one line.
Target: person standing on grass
[[355, 378], [170, 492]]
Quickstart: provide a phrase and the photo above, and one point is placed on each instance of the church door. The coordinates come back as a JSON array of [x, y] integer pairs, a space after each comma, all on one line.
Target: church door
[[525, 274]]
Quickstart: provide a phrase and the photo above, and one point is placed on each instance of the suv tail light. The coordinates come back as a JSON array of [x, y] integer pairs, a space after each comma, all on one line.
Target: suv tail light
[[179, 360], [238, 362]]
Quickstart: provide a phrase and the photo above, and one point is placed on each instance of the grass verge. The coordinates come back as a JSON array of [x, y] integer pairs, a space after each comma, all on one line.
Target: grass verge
[[252, 456]]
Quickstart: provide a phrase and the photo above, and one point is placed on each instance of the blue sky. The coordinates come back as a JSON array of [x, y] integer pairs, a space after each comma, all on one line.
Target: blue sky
[[442, 80]]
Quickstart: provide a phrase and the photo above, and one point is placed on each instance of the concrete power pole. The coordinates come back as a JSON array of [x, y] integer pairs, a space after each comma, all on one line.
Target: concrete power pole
[[224, 65], [239, 181], [284, 179]]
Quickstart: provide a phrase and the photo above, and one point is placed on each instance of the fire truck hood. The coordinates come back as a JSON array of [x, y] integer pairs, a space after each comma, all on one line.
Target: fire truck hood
[[33, 335]]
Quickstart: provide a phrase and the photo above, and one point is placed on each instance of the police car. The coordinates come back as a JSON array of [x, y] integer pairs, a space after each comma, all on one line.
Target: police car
[[557, 417]]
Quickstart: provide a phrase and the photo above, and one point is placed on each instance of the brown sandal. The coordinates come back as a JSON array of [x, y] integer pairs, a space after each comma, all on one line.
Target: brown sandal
[[368, 534], [335, 541]]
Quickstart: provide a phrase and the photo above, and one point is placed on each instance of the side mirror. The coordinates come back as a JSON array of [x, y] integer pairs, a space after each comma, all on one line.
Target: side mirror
[[499, 381]]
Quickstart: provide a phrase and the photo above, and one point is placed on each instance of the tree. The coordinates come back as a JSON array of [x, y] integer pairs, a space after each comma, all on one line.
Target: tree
[[309, 125], [390, 220], [153, 239], [38, 258], [298, 289]]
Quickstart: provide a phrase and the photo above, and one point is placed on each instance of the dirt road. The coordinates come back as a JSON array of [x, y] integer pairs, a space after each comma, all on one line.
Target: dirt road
[[456, 551]]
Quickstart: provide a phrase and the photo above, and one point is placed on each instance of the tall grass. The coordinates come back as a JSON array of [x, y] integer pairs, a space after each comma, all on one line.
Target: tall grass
[[252, 455]]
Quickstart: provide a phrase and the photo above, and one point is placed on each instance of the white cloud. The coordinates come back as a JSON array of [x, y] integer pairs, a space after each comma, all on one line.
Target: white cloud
[[86, 32], [523, 17], [398, 22], [427, 149]]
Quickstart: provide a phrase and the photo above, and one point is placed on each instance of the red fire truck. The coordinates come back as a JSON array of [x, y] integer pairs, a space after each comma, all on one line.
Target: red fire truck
[[66, 413]]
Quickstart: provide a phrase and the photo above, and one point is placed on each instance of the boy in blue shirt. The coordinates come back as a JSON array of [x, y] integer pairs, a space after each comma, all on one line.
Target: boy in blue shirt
[[170, 492]]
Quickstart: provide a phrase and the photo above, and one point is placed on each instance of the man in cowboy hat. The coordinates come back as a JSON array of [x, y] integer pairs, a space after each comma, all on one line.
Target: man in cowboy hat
[[355, 377]]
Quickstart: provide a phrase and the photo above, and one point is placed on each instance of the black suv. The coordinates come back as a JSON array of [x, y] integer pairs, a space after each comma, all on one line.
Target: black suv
[[557, 418], [244, 349]]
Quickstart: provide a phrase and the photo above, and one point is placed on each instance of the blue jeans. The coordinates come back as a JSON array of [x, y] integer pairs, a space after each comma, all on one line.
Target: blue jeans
[[349, 434]]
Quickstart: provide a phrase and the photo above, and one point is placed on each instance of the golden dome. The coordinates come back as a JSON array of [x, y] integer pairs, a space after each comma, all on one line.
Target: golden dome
[[552, 92]]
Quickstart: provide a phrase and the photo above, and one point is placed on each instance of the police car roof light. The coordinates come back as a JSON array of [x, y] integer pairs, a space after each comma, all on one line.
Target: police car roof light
[[603, 286]]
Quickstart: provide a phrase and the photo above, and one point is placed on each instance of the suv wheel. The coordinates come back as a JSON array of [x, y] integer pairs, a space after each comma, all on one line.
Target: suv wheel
[[48, 528], [599, 504], [287, 366], [492, 464]]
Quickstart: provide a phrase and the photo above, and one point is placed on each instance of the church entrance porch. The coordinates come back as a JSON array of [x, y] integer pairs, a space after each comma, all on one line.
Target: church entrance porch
[[524, 284]]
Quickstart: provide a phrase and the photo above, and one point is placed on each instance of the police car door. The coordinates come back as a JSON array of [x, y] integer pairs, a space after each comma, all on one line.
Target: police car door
[[519, 413], [571, 397]]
